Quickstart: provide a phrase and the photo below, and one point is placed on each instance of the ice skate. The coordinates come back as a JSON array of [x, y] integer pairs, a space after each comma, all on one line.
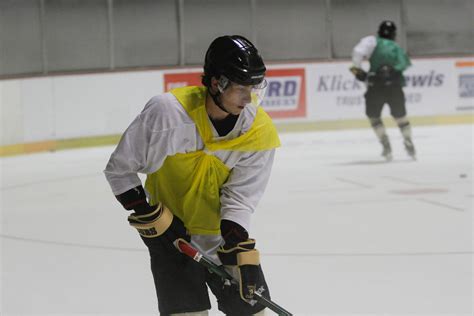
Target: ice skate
[[410, 148], [387, 149]]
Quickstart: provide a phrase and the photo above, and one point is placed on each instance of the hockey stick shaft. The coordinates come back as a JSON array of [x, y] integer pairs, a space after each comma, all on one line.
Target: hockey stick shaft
[[187, 249]]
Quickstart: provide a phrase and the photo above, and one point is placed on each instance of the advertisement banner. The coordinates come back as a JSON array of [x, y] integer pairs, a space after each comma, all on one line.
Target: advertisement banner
[[334, 93], [430, 87], [286, 93], [285, 96], [465, 77], [433, 87], [182, 79]]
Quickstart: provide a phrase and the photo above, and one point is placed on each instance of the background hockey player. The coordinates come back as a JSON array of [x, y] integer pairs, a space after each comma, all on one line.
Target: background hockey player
[[207, 152], [384, 83]]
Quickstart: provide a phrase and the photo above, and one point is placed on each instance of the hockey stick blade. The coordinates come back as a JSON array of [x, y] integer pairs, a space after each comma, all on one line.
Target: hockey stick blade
[[186, 248]]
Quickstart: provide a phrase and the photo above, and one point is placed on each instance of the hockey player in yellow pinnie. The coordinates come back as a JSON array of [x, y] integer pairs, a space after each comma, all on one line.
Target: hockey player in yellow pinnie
[[207, 153]]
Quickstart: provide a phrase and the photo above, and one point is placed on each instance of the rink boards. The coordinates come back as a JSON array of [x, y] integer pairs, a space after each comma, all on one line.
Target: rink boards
[[64, 111]]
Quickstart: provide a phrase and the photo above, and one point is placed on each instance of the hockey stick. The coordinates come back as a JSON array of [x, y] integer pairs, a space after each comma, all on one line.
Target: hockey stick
[[187, 249]]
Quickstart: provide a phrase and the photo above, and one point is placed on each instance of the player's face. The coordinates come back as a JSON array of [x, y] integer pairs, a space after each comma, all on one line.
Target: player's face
[[235, 97]]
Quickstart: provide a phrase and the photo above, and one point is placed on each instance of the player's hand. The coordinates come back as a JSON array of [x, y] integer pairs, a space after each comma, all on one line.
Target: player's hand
[[247, 259], [161, 224], [155, 223], [359, 73]]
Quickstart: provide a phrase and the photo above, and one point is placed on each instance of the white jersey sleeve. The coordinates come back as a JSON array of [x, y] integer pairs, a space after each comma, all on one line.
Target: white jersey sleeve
[[245, 187], [363, 50], [162, 129]]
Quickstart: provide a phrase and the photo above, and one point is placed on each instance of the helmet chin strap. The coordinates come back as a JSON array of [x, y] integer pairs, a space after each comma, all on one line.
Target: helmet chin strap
[[217, 101]]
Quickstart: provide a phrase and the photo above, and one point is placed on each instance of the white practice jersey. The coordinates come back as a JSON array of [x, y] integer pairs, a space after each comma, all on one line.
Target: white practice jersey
[[164, 129], [363, 50]]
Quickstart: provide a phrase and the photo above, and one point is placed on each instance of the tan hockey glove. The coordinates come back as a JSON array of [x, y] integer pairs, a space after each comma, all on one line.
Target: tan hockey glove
[[359, 73], [247, 259], [153, 224]]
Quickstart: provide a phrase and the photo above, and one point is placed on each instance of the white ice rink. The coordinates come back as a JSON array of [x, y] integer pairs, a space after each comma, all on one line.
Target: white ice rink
[[341, 231]]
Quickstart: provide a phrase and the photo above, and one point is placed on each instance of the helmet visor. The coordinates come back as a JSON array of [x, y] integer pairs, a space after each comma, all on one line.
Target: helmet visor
[[253, 93], [248, 94], [258, 93]]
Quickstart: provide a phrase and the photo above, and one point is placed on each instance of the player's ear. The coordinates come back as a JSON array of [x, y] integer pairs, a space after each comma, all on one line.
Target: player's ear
[[214, 84]]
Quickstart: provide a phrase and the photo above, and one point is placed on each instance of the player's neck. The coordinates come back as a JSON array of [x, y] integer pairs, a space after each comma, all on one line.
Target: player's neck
[[214, 112]]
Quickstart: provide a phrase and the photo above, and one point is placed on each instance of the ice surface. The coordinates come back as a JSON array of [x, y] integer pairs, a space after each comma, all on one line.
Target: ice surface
[[341, 231]]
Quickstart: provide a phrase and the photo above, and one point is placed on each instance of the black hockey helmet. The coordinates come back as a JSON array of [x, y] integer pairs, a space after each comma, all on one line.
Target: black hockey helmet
[[236, 58], [387, 29]]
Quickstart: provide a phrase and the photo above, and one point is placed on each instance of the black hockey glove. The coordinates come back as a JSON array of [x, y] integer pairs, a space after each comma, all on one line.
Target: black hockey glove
[[135, 199], [359, 73], [239, 251]]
